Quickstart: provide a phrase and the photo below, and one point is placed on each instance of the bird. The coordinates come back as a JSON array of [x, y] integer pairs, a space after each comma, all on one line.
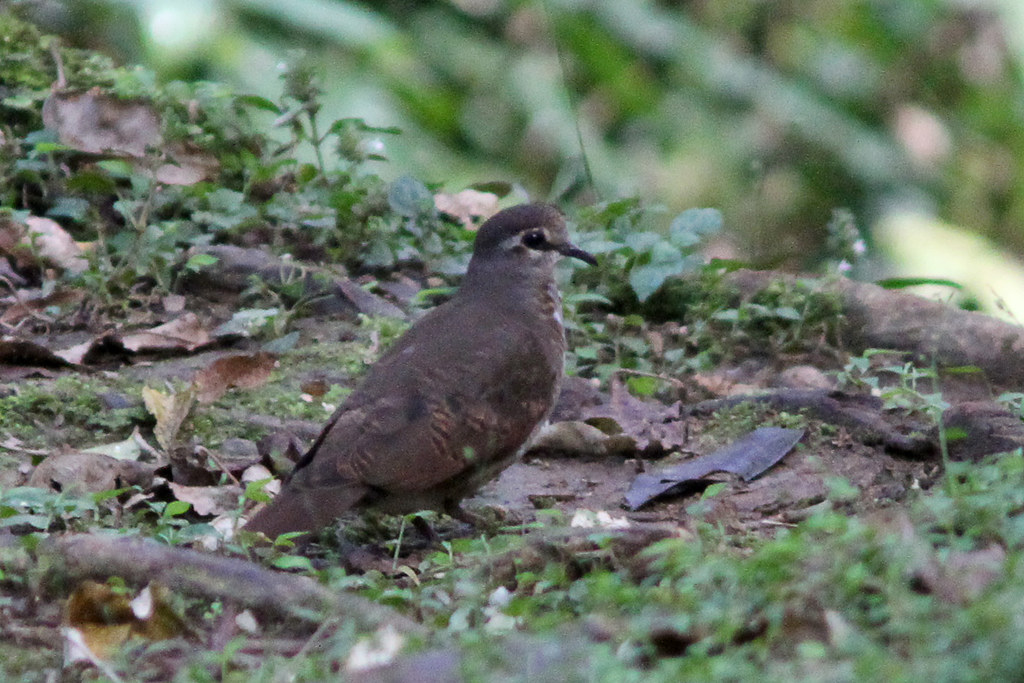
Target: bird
[[452, 402]]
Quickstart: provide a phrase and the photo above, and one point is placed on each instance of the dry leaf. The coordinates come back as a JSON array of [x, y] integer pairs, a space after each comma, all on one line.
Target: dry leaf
[[35, 302], [55, 245], [99, 619], [97, 123], [170, 411], [94, 350], [187, 167], [89, 472], [467, 206], [129, 449], [653, 427], [102, 620], [208, 500], [243, 372], [41, 240], [184, 332], [578, 438], [173, 303], [377, 650]]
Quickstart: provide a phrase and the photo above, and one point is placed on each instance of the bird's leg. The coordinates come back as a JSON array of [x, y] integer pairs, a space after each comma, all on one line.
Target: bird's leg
[[426, 530]]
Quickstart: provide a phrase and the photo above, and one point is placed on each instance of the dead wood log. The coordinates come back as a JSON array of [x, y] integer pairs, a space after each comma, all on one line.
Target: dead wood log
[[74, 558], [875, 317]]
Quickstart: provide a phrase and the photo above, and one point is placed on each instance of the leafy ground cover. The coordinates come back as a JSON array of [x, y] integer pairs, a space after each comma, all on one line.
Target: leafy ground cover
[[185, 301]]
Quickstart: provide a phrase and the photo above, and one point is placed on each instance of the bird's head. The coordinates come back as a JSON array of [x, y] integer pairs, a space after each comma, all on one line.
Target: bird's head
[[526, 235]]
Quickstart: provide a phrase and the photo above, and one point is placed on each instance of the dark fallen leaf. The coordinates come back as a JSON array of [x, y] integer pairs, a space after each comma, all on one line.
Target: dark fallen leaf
[[26, 353], [104, 348], [747, 457], [961, 577]]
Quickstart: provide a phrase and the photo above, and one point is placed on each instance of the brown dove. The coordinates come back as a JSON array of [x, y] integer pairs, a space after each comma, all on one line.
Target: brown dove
[[453, 401]]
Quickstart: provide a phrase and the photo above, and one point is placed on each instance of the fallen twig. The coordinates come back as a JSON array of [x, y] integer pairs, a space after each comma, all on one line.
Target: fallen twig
[[190, 572]]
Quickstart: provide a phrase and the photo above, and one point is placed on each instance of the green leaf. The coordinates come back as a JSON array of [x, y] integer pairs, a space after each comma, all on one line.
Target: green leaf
[[293, 562], [343, 125], [787, 313], [257, 102], [641, 385], [74, 208], [641, 242], [93, 182], [44, 147], [116, 168], [714, 490], [576, 298], [692, 226], [903, 282], [255, 490], [199, 261], [666, 262], [177, 507], [409, 197]]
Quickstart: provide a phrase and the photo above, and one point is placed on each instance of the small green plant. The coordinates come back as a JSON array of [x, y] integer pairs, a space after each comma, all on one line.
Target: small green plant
[[44, 510], [901, 386], [173, 527], [627, 234]]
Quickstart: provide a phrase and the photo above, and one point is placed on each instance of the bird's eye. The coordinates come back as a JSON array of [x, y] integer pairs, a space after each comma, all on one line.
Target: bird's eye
[[534, 239]]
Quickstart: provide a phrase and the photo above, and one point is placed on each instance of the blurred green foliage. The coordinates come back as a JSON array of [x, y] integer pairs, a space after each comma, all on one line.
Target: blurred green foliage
[[776, 113]]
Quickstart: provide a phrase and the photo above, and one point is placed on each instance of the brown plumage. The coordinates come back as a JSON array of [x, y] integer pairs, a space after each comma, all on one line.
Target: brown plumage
[[455, 398]]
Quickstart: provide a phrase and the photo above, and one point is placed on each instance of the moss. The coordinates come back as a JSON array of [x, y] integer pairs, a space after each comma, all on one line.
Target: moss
[[68, 410]]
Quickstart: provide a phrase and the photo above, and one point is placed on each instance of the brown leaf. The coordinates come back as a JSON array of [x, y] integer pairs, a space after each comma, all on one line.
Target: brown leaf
[[41, 241], [188, 166], [89, 472], [578, 438], [173, 303], [208, 500], [90, 351], [185, 332], [102, 617], [55, 245], [35, 302], [964, 575], [97, 123], [367, 302], [106, 618], [467, 206], [241, 371], [655, 428]]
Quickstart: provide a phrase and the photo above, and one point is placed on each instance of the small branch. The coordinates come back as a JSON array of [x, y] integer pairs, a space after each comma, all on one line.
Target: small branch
[[189, 572]]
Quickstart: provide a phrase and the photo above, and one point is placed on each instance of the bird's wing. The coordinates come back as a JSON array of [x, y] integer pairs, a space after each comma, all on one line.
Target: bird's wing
[[413, 425]]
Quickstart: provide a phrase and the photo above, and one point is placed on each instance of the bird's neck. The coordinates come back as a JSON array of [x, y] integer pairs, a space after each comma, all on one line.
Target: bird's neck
[[528, 287]]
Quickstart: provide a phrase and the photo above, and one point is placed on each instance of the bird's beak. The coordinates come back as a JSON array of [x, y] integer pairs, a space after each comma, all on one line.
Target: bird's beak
[[570, 249]]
